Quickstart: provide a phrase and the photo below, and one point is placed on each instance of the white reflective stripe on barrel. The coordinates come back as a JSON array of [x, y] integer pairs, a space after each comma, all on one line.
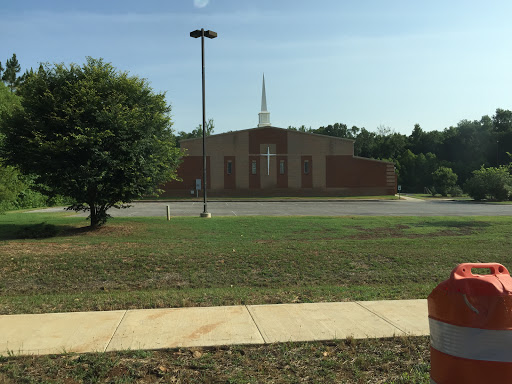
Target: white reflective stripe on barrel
[[471, 343]]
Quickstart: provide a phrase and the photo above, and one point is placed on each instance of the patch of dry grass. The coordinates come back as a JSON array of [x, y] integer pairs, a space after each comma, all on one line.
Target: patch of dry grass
[[394, 360]]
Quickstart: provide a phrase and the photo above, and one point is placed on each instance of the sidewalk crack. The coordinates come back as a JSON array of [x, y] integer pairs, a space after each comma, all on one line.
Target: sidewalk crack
[[115, 331], [382, 317], [256, 324]]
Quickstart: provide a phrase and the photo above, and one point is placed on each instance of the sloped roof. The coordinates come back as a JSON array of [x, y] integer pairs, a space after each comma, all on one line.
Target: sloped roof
[[271, 127]]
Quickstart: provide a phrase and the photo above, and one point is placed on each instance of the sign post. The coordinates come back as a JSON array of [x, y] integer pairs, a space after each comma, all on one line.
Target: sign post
[[399, 190], [198, 187]]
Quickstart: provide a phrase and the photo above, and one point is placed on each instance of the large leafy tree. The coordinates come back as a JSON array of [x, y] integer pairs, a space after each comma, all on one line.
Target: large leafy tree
[[92, 133]]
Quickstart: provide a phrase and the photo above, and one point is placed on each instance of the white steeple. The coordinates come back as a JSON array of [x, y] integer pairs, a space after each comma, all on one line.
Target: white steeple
[[264, 115]]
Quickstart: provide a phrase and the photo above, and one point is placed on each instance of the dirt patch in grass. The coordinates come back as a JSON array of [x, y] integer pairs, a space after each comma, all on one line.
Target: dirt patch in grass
[[16, 249], [125, 229], [397, 231], [397, 360]]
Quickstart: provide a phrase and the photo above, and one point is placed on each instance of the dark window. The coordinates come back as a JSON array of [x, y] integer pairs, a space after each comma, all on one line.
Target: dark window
[[229, 167], [253, 167], [306, 167], [281, 167]]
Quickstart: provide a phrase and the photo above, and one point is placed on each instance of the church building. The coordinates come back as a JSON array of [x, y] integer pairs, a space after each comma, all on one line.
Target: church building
[[271, 161]]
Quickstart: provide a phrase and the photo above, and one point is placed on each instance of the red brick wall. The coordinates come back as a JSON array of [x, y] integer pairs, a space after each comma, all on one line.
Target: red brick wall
[[307, 178], [254, 180], [347, 171], [190, 169], [229, 180], [282, 180], [268, 136]]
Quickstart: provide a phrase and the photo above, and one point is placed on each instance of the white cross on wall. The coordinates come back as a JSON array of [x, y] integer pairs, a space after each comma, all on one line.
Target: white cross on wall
[[268, 154]]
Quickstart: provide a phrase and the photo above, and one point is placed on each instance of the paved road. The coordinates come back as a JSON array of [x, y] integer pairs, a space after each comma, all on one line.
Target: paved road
[[411, 207]]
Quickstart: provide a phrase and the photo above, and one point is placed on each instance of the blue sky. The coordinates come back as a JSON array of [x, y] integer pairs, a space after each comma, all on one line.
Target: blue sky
[[366, 63]]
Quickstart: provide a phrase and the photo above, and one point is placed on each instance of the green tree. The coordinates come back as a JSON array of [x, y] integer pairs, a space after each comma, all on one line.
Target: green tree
[[365, 145], [198, 132], [389, 144], [11, 184], [338, 130], [302, 128], [415, 171], [12, 68], [11, 181], [493, 183], [93, 134], [8, 102], [424, 142], [444, 180], [502, 138]]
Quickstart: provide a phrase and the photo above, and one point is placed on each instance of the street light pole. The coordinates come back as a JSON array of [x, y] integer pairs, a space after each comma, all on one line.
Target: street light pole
[[210, 34], [497, 153]]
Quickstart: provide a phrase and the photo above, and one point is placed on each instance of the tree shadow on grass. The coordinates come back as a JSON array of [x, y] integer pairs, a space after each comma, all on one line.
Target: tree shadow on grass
[[40, 231], [455, 224]]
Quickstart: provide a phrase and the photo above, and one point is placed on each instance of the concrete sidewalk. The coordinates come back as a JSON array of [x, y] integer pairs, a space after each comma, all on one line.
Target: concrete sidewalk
[[56, 333]]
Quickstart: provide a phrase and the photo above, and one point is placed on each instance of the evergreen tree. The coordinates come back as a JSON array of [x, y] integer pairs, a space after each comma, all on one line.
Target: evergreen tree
[[12, 67], [1, 69]]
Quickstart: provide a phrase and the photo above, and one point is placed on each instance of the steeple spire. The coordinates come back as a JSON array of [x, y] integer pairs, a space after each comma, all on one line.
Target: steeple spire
[[263, 97], [264, 115]]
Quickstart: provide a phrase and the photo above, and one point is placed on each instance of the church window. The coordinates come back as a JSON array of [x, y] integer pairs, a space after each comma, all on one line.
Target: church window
[[253, 167], [281, 167], [306, 167], [229, 167]]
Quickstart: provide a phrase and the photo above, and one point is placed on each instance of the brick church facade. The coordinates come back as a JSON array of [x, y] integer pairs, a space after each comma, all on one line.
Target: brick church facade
[[270, 161]]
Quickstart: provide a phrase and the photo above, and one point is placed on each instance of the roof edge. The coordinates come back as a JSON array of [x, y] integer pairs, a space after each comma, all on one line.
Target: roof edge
[[370, 159], [270, 126]]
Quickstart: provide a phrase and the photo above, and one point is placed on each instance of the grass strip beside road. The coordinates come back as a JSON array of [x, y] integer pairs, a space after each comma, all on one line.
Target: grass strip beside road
[[52, 263], [271, 198], [398, 360]]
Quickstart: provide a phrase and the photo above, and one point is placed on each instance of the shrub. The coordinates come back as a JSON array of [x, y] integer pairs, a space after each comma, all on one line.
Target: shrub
[[444, 179], [11, 185], [490, 183], [455, 191]]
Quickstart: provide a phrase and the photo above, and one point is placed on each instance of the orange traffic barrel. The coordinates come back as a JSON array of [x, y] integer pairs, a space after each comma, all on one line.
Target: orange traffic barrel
[[470, 319]]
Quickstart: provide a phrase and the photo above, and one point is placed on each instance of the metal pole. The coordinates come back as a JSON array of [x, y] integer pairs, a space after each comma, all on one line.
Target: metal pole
[[497, 153], [204, 123]]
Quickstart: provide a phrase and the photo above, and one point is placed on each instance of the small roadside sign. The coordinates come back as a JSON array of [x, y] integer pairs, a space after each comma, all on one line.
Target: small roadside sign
[[399, 187]]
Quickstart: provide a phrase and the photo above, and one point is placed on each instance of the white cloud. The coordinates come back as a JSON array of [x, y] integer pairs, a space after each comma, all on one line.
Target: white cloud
[[201, 3]]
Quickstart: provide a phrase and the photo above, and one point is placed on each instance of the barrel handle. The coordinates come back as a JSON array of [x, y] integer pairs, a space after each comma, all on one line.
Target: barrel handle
[[464, 270]]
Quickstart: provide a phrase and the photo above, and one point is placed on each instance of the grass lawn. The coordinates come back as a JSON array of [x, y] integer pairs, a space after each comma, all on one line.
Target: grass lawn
[[52, 263], [458, 198], [397, 360], [426, 196]]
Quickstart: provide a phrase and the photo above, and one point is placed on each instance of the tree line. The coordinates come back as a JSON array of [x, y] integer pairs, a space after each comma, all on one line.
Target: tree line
[[464, 148]]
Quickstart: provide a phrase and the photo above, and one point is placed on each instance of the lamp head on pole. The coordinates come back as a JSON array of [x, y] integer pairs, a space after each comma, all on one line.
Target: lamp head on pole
[[201, 32]]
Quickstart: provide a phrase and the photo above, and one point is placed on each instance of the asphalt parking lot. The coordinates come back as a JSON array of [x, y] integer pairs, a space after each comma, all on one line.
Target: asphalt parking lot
[[410, 207]]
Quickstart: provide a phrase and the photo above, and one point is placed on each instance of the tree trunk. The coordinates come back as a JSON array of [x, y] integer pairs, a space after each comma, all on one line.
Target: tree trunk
[[93, 215]]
